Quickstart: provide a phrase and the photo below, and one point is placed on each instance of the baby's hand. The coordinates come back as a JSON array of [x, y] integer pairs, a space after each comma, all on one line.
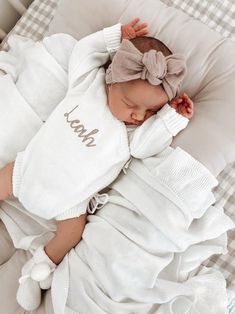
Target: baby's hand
[[183, 105], [6, 181], [132, 30]]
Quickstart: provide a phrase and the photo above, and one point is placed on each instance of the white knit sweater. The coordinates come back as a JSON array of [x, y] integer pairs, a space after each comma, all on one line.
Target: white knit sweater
[[82, 147]]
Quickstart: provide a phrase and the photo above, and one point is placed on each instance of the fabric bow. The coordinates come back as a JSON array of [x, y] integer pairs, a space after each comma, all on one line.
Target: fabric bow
[[130, 64]]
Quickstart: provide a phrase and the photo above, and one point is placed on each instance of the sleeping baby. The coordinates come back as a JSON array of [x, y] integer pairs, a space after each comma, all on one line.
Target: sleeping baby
[[113, 111]]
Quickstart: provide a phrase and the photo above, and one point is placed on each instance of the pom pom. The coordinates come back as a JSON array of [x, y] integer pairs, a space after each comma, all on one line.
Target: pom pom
[[40, 271]]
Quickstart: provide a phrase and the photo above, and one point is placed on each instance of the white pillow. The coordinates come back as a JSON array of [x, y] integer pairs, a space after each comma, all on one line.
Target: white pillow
[[210, 135], [80, 18]]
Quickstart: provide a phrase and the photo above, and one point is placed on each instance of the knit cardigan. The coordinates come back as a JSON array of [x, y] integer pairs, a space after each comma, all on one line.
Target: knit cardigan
[[82, 147]]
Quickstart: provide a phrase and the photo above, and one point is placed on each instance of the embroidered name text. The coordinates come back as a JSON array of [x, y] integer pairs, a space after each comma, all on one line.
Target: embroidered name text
[[80, 129]]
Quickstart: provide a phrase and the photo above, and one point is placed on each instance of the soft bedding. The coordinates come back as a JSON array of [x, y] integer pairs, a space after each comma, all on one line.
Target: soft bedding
[[163, 206], [121, 272], [224, 195]]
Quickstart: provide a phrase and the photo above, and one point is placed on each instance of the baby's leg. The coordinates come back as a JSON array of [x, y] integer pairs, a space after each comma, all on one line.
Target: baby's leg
[[6, 181], [68, 234]]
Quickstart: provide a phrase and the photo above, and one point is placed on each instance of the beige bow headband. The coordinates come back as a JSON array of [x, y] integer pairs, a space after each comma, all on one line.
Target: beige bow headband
[[130, 64]]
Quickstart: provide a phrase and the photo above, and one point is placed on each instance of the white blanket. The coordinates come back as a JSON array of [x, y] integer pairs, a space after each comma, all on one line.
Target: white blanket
[[35, 82], [141, 253]]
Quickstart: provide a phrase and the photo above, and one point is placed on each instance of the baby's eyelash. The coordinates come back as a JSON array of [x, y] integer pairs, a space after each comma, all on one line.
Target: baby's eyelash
[[130, 106]]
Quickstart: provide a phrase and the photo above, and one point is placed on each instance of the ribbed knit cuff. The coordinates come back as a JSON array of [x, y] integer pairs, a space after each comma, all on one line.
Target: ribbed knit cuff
[[174, 121], [40, 256], [73, 212], [16, 176], [112, 36]]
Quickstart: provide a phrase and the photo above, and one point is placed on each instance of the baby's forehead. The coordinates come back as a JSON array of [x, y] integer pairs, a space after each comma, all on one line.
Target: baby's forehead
[[133, 86], [143, 93]]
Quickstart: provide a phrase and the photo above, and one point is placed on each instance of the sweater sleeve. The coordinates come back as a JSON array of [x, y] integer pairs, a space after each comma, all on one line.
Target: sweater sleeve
[[157, 132], [92, 52]]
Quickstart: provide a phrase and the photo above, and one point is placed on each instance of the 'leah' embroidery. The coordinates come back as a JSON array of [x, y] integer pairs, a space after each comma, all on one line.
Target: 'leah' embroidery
[[80, 129]]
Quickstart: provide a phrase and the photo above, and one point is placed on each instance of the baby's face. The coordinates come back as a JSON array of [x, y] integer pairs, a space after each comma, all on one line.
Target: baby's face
[[135, 101]]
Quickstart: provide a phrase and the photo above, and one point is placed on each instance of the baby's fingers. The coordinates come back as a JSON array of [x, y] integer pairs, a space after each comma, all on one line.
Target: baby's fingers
[[134, 22], [142, 32], [178, 100], [141, 29], [189, 109], [173, 105], [185, 96]]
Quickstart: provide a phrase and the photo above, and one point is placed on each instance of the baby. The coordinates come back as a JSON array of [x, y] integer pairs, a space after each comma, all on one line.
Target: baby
[[93, 127]]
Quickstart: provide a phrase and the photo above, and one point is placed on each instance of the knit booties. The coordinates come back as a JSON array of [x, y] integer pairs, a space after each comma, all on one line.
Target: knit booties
[[29, 294], [36, 275]]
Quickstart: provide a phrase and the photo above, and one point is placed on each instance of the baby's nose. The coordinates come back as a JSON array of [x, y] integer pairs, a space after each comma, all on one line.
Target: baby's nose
[[139, 115]]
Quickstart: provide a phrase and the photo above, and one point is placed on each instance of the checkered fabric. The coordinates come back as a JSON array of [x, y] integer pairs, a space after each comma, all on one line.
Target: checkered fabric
[[220, 16], [225, 197], [34, 23], [217, 14]]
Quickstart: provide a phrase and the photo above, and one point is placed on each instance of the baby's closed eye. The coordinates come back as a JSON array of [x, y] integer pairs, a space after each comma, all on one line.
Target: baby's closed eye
[[134, 106], [129, 105]]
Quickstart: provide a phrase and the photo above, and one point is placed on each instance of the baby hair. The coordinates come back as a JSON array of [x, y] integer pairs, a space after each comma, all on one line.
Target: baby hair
[[144, 44]]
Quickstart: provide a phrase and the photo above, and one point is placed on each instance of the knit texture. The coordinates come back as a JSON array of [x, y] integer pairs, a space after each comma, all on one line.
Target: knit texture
[[35, 274], [77, 153], [87, 158]]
